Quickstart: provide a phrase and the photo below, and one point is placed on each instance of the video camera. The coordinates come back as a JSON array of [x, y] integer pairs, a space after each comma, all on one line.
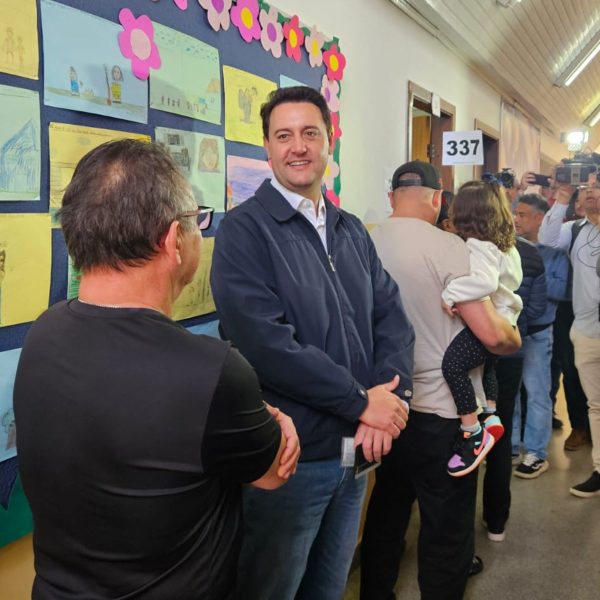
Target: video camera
[[576, 171], [505, 178]]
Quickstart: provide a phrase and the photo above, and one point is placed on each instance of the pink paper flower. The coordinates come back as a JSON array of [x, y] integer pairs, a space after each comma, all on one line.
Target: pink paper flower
[[331, 92], [314, 43], [271, 35], [332, 170], [218, 13], [294, 38], [332, 197], [244, 15], [136, 42], [181, 4], [335, 62]]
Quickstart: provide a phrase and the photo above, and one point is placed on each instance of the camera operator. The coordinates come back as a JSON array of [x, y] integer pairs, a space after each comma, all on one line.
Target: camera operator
[[581, 239]]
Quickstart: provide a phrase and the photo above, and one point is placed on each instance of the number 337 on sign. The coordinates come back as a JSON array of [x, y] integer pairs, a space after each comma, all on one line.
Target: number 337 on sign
[[463, 148]]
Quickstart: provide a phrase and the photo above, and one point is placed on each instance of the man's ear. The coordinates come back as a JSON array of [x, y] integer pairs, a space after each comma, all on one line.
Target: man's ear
[[172, 242], [391, 199], [436, 200]]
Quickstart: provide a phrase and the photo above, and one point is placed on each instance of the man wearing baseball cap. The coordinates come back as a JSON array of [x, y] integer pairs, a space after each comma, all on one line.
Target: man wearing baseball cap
[[424, 259]]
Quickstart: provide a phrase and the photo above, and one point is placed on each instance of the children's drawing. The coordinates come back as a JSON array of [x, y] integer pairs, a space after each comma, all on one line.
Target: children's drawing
[[19, 38], [244, 94], [201, 158], [83, 67], [189, 80], [244, 175], [8, 431], [19, 144]]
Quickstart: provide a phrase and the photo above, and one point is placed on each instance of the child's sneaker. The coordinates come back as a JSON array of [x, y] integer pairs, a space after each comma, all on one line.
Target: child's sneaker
[[493, 424], [470, 450]]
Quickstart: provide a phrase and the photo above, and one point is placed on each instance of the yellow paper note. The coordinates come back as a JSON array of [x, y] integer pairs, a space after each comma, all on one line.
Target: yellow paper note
[[25, 261], [244, 94], [196, 298], [19, 38], [68, 144]]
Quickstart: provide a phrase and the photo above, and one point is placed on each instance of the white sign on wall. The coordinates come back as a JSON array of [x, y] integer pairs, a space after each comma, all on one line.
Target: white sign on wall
[[463, 148]]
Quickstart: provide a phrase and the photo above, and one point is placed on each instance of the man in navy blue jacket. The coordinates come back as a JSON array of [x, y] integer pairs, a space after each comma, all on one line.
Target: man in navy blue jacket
[[300, 290]]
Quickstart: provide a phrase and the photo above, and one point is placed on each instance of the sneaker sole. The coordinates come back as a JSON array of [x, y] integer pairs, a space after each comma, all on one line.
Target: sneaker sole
[[535, 474], [496, 431], [496, 537], [478, 460], [581, 494]]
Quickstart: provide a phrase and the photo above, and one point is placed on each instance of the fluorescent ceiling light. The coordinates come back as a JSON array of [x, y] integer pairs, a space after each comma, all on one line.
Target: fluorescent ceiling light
[[577, 137], [593, 118], [581, 61]]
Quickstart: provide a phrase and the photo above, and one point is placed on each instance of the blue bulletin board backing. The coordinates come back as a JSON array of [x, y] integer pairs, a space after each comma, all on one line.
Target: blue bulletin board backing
[[233, 51]]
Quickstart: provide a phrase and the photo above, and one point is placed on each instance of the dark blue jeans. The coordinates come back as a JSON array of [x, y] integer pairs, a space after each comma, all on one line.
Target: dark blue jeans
[[299, 539]]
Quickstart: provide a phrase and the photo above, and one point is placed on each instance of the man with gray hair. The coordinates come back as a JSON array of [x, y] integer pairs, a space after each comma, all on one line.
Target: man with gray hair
[[134, 434]]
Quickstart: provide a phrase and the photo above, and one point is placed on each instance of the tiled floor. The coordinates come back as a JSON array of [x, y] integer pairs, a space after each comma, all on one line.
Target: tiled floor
[[552, 546]]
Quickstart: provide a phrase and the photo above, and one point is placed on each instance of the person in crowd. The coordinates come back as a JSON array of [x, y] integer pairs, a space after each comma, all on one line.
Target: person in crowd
[[498, 471], [414, 251], [134, 434], [581, 239], [301, 291], [480, 215], [563, 354], [537, 345]]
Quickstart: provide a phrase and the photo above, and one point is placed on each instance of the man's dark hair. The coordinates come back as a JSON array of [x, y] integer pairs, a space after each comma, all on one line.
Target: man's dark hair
[[121, 201], [299, 93], [535, 201]]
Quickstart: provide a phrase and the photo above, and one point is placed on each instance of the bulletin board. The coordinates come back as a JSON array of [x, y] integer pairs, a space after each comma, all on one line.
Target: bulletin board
[[190, 74]]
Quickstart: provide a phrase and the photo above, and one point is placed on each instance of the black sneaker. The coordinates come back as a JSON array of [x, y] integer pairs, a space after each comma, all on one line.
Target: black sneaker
[[476, 566], [469, 451], [588, 488], [531, 467]]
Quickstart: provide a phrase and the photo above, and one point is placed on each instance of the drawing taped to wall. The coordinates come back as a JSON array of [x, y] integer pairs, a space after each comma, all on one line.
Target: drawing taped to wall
[[84, 69], [19, 144]]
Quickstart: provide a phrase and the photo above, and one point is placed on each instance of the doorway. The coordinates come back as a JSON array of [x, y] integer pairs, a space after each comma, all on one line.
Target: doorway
[[425, 130]]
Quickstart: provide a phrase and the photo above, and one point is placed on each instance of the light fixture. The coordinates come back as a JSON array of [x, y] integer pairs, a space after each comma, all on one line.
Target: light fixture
[[575, 137], [507, 3], [593, 118], [580, 62]]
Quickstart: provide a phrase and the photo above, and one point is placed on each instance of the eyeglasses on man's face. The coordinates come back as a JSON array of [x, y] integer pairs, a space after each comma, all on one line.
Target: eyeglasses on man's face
[[203, 214]]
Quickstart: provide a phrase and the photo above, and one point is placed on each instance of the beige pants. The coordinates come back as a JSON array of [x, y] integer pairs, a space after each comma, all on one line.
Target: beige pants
[[587, 361]]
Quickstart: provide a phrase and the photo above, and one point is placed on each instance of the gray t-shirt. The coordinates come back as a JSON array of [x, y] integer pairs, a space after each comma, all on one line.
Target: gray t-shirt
[[423, 260]]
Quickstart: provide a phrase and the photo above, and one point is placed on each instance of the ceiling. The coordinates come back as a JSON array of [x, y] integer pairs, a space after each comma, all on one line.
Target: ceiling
[[522, 50]]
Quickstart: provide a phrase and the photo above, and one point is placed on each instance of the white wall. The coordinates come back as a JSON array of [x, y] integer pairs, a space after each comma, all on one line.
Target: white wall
[[384, 50]]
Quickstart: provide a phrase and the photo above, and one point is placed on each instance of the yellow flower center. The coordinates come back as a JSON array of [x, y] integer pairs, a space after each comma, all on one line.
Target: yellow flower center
[[334, 63], [140, 44], [293, 38], [247, 19], [314, 48]]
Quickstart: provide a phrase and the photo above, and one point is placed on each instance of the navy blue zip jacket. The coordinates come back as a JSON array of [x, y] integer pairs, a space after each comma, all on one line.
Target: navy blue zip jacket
[[318, 328], [533, 289]]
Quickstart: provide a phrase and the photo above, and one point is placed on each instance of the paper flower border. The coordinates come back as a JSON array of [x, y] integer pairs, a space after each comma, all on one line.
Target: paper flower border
[[257, 20]]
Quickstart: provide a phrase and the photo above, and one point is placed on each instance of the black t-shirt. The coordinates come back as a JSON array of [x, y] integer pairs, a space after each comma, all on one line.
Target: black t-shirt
[[134, 436]]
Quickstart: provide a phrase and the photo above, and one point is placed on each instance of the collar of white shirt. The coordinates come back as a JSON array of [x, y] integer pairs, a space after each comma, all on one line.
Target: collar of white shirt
[[299, 202]]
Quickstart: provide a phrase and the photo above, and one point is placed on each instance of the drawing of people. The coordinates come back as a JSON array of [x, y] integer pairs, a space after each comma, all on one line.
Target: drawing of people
[[9, 45], [208, 156], [73, 81], [8, 424], [21, 51], [117, 82], [245, 99]]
